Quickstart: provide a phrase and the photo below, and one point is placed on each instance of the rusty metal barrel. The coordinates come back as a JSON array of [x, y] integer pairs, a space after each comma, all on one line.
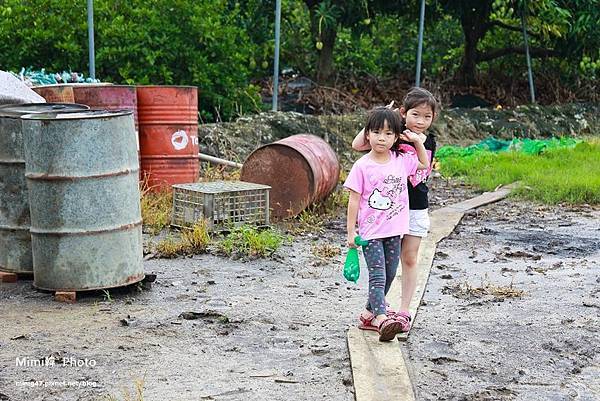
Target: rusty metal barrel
[[58, 93], [15, 240], [107, 97], [168, 126], [300, 169], [82, 177]]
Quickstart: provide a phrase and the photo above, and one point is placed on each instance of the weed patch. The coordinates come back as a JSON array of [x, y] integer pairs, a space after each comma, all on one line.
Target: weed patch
[[326, 251], [156, 210], [466, 291], [249, 241], [211, 172], [312, 219], [189, 242]]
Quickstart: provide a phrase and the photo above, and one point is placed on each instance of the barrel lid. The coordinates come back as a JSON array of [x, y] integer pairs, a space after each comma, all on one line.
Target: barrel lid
[[77, 115], [18, 110]]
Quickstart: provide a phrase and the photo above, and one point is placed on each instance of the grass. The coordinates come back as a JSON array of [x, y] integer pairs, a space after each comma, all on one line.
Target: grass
[[251, 241], [189, 242], [556, 176], [156, 210], [312, 219]]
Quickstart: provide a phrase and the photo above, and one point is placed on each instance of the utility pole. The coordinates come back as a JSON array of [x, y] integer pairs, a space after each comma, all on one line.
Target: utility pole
[[420, 43], [276, 61], [92, 58], [527, 56]]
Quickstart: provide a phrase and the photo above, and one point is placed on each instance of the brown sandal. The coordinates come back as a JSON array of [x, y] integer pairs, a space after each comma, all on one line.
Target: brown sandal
[[388, 329]]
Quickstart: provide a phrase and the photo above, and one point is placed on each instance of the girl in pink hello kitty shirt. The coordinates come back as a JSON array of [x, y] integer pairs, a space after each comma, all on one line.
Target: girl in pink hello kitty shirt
[[418, 110], [379, 203]]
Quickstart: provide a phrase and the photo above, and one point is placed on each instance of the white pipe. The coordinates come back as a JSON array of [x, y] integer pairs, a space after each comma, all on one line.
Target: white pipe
[[217, 160]]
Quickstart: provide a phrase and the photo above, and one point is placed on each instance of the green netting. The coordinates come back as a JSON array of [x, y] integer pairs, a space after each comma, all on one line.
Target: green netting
[[491, 144]]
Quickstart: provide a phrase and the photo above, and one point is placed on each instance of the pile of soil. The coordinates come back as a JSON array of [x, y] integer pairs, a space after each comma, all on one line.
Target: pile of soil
[[236, 140]]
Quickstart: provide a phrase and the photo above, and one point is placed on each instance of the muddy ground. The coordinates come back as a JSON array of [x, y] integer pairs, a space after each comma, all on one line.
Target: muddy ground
[[212, 328], [512, 308]]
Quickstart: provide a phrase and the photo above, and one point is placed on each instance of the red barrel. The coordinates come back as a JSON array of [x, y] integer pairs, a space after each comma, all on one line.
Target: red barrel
[[168, 125], [60, 93], [108, 97], [301, 169]]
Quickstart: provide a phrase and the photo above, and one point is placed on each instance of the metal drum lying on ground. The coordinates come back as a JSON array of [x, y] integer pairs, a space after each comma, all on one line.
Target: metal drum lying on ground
[[168, 125], [15, 240], [300, 169], [82, 177]]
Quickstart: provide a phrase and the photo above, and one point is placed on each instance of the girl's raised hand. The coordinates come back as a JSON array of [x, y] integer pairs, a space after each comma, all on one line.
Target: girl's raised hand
[[409, 136]]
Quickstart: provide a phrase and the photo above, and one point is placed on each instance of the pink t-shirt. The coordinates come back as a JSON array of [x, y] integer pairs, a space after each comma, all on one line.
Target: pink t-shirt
[[420, 175], [383, 209]]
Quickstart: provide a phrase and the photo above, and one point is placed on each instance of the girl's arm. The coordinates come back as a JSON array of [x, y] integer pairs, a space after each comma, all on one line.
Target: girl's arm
[[419, 147], [353, 204], [359, 142]]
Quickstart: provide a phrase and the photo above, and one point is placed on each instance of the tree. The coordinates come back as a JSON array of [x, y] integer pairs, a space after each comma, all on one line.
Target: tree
[[327, 16], [547, 20]]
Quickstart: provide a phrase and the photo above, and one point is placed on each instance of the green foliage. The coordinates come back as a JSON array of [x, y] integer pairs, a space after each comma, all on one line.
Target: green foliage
[[555, 176], [181, 42], [251, 241], [222, 45], [296, 38]]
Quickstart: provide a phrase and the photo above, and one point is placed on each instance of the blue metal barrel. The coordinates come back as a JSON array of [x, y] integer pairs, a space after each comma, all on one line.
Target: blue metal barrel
[[15, 240], [82, 177]]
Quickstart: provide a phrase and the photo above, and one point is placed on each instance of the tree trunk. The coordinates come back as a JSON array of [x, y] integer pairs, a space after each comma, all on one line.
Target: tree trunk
[[325, 63], [326, 36], [475, 21], [467, 72]]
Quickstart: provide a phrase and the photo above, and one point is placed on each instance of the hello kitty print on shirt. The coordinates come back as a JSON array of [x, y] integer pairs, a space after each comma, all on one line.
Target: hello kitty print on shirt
[[378, 201]]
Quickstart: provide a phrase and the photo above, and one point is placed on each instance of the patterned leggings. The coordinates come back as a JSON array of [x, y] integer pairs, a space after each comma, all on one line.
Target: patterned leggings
[[382, 256]]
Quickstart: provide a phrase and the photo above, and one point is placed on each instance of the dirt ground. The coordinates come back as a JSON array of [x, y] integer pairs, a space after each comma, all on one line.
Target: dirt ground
[[212, 328], [512, 308]]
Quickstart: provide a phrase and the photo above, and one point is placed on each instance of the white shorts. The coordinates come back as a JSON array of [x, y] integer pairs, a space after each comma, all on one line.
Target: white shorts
[[418, 223]]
